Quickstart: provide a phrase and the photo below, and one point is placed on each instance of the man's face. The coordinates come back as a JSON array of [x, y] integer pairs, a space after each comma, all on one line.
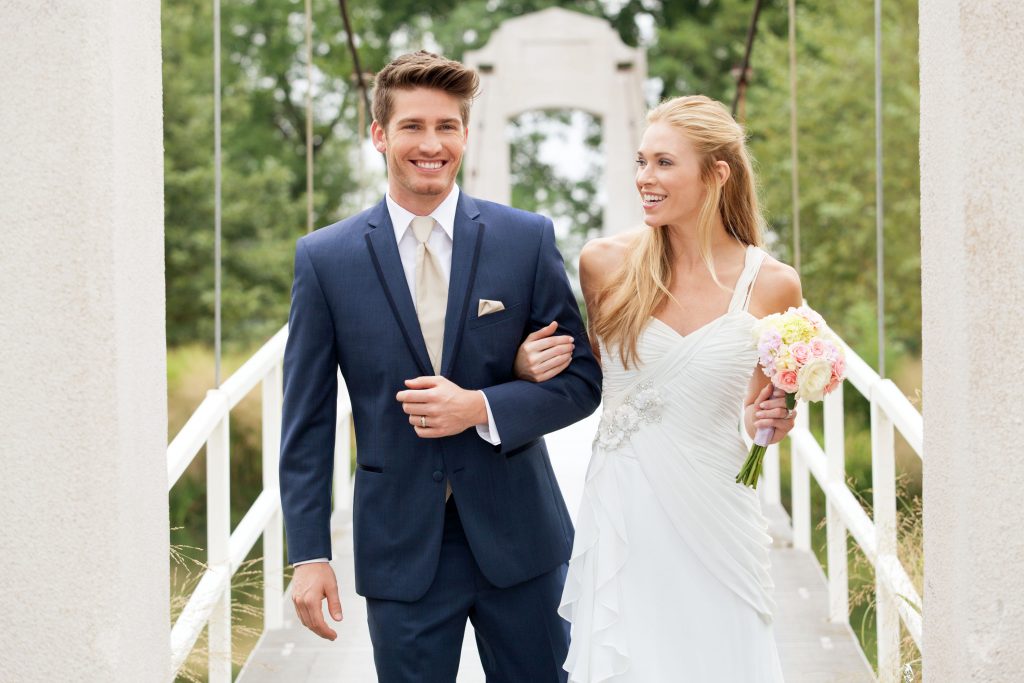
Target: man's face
[[423, 143]]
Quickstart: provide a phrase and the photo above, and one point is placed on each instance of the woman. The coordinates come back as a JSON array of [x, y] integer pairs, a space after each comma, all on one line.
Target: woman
[[669, 578]]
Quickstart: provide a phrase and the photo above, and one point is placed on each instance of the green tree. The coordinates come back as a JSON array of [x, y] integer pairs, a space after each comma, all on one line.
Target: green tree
[[835, 54], [264, 177]]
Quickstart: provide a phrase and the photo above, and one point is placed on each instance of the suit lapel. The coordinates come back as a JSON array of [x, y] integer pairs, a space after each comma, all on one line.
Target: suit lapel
[[380, 239], [466, 239]]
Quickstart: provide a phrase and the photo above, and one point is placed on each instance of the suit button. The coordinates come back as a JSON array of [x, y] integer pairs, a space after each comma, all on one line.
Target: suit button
[[438, 475]]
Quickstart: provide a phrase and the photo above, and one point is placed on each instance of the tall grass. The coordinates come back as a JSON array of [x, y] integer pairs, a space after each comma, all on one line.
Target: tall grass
[[909, 517], [246, 610], [189, 376]]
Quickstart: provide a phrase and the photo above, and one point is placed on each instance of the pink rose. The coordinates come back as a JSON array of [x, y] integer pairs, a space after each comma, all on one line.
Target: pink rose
[[786, 380], [838, 373], [819, 348], [800, 352], [839, 367], [811, 316]]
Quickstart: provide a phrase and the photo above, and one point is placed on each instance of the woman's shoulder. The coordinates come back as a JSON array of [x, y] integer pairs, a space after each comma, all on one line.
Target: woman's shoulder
[[776, 289], [603, 255]]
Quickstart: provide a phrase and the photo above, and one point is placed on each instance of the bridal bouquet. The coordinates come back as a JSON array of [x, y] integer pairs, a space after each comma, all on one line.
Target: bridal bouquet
[[801, 356]]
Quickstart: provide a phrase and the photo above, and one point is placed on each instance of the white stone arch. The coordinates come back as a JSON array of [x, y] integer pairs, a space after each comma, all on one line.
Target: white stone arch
[[557, 59]]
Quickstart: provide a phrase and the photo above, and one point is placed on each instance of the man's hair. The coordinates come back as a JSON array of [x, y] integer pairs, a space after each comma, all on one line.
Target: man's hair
[[423, 70]]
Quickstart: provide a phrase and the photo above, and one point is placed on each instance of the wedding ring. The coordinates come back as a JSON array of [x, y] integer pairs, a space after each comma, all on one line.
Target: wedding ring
[[423, 421]]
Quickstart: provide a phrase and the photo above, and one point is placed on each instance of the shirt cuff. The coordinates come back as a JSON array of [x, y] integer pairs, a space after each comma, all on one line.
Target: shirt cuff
[[318, 559], [488, 432]]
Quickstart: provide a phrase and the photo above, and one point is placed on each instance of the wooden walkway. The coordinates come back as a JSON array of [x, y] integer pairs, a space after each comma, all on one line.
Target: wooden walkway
[[812, 650]]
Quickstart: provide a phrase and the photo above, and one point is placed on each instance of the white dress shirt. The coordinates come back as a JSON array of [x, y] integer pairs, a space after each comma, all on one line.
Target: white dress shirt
[[440, 243]]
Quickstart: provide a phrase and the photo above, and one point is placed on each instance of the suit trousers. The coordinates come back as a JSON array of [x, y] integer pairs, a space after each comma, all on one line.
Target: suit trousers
[[520, 637]]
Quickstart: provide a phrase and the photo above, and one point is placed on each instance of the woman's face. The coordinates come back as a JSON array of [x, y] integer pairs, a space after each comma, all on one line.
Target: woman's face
[[668, 177]]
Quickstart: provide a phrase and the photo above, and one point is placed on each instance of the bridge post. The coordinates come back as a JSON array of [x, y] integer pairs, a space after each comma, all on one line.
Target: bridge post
[[972, 267], [838, 567], [83, 405]]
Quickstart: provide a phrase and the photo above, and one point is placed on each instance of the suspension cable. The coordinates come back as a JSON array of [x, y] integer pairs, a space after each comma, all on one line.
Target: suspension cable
[[351, 38], [879, 196], [741, 79], [793, 137], [309, 116], [216, 196]]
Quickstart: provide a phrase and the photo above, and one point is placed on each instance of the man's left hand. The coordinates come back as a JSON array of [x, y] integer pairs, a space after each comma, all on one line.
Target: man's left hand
[[443, 406]]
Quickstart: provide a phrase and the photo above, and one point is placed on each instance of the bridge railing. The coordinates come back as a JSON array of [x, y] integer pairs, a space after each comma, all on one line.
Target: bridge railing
[[210, 603], [209, 426], [896, 598]]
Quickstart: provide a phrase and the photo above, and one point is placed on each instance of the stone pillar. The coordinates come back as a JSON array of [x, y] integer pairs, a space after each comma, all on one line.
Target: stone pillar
[[558, 59], [83, 408], [972, 254]]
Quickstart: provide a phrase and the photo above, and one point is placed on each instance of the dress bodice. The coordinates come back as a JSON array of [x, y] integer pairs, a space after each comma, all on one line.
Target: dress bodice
[[700, 377]]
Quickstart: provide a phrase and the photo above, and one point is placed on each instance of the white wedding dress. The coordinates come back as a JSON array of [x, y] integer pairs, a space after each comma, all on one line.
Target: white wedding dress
[[668, 581]]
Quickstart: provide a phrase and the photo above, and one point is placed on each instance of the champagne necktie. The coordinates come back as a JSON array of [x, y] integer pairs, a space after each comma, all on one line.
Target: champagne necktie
[[431, 291], [431, 298]]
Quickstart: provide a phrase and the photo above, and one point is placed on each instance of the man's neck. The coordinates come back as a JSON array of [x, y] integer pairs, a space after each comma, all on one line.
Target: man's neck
[[420, 205]]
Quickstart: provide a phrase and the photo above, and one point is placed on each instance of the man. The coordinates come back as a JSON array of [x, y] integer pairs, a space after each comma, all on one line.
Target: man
[[423, 301]]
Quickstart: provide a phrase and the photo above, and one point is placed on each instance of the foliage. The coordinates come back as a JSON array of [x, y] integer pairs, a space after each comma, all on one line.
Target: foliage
[[837, 177], [264, 176]]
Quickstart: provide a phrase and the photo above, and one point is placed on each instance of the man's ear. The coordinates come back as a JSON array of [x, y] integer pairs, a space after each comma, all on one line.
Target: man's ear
[[380, 140]]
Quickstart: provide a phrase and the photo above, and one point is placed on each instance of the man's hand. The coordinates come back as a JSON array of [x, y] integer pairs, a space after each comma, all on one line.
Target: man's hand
[[443, 406], [311, 583], [542, 356]]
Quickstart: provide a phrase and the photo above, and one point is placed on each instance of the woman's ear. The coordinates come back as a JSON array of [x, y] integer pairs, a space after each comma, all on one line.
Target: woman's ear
[[722, 172]]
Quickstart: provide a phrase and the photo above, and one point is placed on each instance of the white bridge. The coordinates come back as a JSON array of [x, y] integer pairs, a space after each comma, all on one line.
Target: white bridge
[[815, 639], [83, 410]]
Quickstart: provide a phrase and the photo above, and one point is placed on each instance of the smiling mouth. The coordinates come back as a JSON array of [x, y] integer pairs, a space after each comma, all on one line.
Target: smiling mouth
[[650, 200], [429, 165]]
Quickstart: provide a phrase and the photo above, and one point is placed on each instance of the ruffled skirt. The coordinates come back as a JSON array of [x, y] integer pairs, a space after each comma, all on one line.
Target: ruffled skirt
[[646, 606]]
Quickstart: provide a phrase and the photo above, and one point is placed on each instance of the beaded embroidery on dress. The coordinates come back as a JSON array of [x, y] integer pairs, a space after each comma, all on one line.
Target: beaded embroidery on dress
[[669, 579]]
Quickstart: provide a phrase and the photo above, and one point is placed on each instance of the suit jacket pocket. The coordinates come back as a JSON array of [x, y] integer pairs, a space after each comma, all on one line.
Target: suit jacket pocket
[[477, 322], [525, 447]]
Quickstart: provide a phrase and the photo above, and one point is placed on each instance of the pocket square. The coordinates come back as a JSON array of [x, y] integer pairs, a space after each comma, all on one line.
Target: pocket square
[[486, 307]]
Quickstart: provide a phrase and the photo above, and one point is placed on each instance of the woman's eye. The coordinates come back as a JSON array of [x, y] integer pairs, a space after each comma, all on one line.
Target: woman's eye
[[640, 162], [664, 162]]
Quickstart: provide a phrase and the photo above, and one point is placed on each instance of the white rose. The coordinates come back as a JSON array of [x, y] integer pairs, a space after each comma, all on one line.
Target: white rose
[[812, 379]]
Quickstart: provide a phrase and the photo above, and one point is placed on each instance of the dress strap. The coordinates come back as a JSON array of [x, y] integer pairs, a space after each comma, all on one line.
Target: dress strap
[[745, 285]]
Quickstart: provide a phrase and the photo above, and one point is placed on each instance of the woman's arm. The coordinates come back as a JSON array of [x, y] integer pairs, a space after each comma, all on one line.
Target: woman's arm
[[776, 288], [542, 356]]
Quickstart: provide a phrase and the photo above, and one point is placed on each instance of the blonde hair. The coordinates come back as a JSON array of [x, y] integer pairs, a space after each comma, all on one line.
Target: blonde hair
[[640, 285]]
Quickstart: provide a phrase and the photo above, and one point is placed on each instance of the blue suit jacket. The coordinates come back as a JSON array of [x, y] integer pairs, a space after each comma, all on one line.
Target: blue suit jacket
[[351, 308]]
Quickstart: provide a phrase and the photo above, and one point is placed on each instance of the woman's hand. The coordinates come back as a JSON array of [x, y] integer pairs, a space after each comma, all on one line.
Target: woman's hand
[[542, 356], [769, 410]]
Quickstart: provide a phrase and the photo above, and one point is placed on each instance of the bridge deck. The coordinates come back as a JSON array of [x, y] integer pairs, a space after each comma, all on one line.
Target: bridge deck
[[812, 650]]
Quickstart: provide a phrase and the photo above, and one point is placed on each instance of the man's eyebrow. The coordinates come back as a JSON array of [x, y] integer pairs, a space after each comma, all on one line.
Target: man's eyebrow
[[417, 119]]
